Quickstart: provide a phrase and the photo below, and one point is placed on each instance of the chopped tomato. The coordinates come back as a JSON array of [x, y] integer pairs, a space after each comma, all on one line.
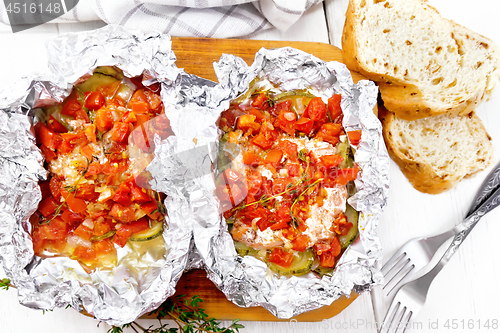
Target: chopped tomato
[[261, 141], [93, 169], [85, 254], [286, 121], [334, 107], [74, 137], [54, 125], [142, 119], [129, 117], [45, 189], [301, 243], [341, 226], [55, 229], [82, 115], [330, 133], [254, 182], [122, 195], [260, 101], [344, 176], [83, 231], [230, 176], [120, 132], [247, 122], [280, 257], [70, 107], [304, 124], [122, 213], [138, 194], [77, 205], [151, 210], [47, 206], [90, 133], [281, 184], [316, 111], [293, 169], [354, 137], [331, 161], [126, 230], [48, 154], [274, 156], [103, 120], [281, 106], [109, 90], [283, 215], [71, 218], [86, 191], [94, 100], [139, 107], [100, 228], [49, 138], [289, 148], [87, 151], [102, 247], [259, 116], [55, 187], [65, 148], [326, 259], [250, 158]]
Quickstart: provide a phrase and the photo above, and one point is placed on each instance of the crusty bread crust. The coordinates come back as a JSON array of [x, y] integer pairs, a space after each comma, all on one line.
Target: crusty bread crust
[[404, 97], [420, 174]]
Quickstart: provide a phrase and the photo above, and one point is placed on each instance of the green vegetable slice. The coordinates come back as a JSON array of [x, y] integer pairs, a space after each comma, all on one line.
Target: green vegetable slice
[[154, 231], [352, 216], [302, 264], [106, 235]]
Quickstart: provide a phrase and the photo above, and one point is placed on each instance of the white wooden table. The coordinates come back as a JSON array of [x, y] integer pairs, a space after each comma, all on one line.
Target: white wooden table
[[465, 297]]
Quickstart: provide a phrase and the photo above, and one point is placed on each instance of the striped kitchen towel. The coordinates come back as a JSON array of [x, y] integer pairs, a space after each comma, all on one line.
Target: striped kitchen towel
[[195, 18]]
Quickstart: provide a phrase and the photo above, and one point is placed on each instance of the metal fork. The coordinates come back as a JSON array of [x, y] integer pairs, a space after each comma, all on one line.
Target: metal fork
[[411, 297], [413, 258]]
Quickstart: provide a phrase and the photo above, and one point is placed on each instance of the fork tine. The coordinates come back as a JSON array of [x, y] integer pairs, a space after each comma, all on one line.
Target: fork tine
[[392, 261], [395, 324], [399, 275], [389, 317], [404, 324]]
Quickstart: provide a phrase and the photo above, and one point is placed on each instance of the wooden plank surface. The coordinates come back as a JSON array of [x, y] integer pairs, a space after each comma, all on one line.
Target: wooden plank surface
[[196, 55]]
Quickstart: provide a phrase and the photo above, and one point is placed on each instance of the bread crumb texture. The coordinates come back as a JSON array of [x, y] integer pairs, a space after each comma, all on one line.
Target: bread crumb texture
[[452, 146], [408, 41]]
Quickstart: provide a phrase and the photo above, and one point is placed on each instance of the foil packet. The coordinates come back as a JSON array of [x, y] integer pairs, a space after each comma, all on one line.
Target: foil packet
[[247, 281], [143, 279]]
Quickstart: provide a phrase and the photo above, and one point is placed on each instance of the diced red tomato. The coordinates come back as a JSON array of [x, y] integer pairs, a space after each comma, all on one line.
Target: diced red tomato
[[85, 254], [55, 229], [334, 107], [122, 213], [326, 259], [90, 133], [55, 187], [331, 161], [48, 154], [316, 111], [151, 210], [77, 205], [126, 230], [259, 116], [289, 148], [83, 231], [281, 184], [274, 156], [94, 100], [70, 107], [281, 106], [301, 243], [45, 189], [103, 120], [54, 125], [100, 228], [122, 194], [344, 176], [139, 107], [71, 218], [293, 169], [283, 215], [286, 121], [82, 115], [280, 257], [330, 133], [304, 124], [138, 194], [49, 138], [86, 191], [247, 122], [261, 141], [341, 226], [250, 158], [254, 182], [120, 132], [354, 136], [260, 101], [102, 247], [129, 117], [47, 206], [93, 169]]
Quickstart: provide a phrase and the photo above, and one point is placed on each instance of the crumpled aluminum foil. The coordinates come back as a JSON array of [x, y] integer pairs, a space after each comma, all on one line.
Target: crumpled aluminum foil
[[140, 282], [246, 281]]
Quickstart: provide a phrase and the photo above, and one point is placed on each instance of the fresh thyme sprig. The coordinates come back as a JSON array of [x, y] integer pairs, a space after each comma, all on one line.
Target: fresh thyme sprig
[[5, 284], [295, 221]]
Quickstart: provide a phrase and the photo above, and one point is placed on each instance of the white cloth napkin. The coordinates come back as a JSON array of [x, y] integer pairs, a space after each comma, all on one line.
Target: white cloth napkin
[[195, 18]]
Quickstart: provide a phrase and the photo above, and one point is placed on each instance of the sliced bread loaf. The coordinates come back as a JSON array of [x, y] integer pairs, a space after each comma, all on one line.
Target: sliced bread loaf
[[424, 64], [436, 153]]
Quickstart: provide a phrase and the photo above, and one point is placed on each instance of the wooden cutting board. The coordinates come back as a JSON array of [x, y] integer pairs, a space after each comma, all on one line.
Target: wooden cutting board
[[196, 56]]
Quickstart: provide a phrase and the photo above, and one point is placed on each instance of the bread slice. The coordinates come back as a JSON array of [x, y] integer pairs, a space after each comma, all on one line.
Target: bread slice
[[436, 153], [425, 65]]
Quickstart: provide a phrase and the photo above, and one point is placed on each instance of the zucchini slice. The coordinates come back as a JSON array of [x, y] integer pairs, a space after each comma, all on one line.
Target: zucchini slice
[[302, 264], [104, 236], [352, 216], [324, 271], [155, 230]]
